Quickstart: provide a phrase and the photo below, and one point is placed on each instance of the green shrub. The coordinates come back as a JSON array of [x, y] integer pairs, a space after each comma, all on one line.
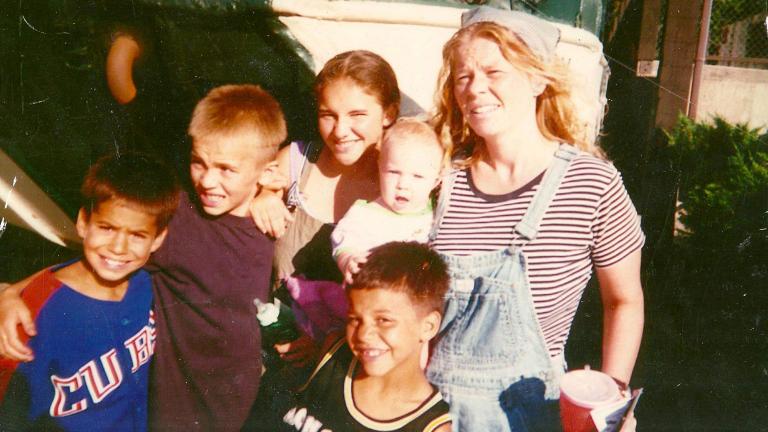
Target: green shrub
[[723, 188]]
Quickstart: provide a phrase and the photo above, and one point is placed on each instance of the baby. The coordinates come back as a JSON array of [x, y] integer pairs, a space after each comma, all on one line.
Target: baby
[[410, 162]]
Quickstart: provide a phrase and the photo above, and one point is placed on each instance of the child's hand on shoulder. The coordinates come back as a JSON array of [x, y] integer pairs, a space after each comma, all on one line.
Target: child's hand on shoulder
[[350, 263], [269, 213]]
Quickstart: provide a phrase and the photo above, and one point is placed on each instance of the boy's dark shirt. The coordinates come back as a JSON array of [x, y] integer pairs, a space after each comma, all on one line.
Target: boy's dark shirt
[[207, 363]]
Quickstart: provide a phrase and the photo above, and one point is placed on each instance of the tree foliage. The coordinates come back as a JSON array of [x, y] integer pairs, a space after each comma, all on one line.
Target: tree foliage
[[723, 187], [718, 267]]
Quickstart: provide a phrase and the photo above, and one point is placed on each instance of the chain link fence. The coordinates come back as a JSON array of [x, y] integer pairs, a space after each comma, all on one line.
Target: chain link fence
[[738, 33]]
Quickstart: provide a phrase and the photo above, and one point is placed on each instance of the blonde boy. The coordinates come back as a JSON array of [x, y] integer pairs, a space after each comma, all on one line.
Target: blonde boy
[[215, 262]]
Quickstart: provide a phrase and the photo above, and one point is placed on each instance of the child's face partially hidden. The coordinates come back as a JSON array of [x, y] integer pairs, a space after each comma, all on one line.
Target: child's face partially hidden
[[386, 331], [408, 171], [117, 240], [225, 172]]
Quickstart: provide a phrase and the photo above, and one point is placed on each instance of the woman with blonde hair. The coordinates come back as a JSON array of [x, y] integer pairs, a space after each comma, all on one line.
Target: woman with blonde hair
[[522, 221]]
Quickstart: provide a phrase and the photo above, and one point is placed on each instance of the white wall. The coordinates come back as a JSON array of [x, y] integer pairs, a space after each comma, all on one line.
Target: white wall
[[411, 36], [739, 95]]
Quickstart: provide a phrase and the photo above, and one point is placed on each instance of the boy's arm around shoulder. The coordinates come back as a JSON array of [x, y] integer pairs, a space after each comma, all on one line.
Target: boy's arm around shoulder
[[268, 210], [14, 312]]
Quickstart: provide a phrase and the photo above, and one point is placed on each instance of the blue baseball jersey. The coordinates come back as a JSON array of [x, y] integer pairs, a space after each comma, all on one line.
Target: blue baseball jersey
[[91, 364]]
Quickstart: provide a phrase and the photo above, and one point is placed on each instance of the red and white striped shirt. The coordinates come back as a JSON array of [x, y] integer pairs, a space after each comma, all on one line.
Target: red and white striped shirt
[[590, 221]]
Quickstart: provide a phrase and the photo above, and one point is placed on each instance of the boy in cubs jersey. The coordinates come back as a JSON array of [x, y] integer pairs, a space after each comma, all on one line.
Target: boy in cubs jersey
[[95, 329]]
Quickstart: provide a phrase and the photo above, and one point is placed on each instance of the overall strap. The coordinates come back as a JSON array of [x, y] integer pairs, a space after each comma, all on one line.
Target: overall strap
[[529, 225], [446, 186]]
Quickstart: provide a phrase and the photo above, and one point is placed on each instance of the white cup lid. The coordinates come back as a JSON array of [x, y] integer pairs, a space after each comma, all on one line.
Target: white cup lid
[[589, 388]]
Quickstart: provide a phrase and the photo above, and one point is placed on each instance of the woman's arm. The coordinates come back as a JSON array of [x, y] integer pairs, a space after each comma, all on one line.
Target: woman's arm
[[623, 315]]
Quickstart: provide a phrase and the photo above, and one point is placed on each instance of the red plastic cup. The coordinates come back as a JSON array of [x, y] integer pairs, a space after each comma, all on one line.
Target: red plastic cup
[[581, 391]]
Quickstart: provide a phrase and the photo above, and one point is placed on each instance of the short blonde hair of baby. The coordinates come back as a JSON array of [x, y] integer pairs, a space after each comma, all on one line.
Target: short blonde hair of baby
[[413, 130]]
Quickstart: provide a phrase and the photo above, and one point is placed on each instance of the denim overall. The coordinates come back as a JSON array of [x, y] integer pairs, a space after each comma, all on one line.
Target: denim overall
[[491, 362]]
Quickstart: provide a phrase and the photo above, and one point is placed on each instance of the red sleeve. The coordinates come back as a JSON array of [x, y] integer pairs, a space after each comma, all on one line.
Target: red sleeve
[[34, 295]]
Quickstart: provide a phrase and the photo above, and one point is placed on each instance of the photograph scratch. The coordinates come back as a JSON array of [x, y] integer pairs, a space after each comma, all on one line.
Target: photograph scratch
[[8, 197], [3, 221], [28, 24]]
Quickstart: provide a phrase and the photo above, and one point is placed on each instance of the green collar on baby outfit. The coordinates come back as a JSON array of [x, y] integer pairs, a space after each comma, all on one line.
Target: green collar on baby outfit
[[426, 210]]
